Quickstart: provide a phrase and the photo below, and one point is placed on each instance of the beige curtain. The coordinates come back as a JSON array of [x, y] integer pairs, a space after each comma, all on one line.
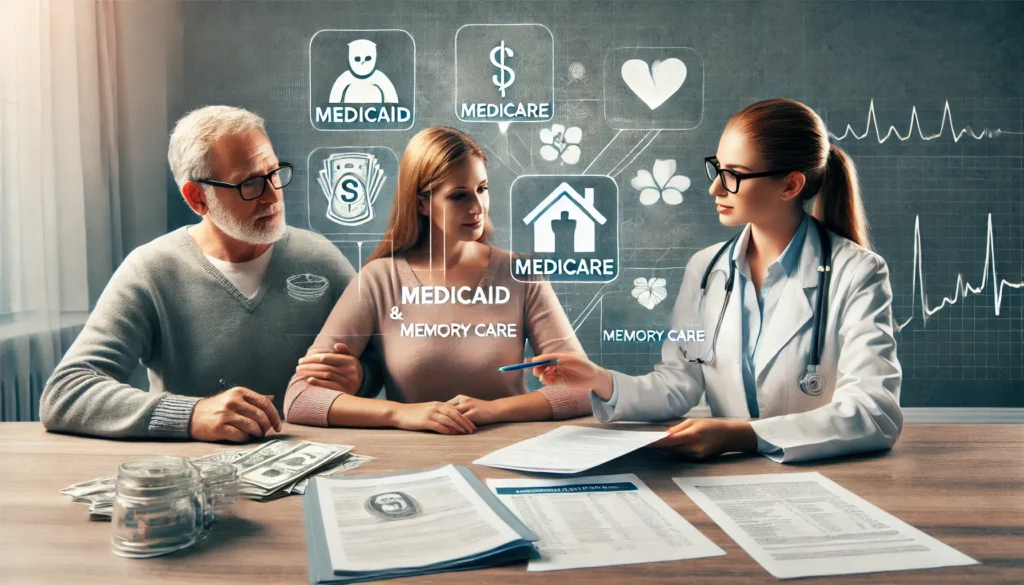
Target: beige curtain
[[60, 230]]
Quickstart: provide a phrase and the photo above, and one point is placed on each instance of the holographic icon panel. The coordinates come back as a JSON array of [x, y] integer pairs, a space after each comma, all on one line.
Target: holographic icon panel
[[653, 88], [362, 80], [351, 190], [504, 73]]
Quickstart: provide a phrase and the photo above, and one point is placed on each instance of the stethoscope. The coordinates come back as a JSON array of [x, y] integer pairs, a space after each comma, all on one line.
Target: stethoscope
[[811, 381]]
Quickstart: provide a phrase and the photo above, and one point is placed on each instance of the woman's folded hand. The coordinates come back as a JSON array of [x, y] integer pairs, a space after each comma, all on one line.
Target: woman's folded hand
[[439, 417], [477, 410], [339, 371]]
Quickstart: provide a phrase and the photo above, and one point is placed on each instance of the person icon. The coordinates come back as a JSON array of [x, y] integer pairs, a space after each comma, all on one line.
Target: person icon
[[564, 229], [363, 83]]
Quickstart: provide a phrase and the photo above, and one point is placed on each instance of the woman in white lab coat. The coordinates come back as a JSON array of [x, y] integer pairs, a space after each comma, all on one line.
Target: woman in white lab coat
[[773, 161]]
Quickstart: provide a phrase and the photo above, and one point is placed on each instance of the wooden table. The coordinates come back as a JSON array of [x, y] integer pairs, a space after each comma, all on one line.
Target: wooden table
[[962, 484]]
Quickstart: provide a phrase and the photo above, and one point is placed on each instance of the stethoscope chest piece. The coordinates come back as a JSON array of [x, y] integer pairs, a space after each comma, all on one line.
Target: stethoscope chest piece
[[812, 383]]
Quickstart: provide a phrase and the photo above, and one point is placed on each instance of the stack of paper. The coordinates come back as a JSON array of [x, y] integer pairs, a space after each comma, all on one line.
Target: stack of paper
[[568, 449], [600, 521], [431, 521]]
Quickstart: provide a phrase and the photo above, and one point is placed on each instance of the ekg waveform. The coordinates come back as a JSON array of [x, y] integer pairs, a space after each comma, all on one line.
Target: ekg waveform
[[963, 288], [915, 123]]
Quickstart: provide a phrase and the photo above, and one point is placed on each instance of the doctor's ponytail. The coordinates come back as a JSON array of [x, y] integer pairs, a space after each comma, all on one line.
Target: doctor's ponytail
[[790, 135], [838, 204]]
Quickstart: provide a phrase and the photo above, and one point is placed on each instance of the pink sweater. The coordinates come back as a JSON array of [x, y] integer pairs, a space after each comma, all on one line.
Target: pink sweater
[[423, 369]]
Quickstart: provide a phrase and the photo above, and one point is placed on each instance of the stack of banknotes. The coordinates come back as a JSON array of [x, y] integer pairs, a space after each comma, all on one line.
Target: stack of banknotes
[[272, 470]]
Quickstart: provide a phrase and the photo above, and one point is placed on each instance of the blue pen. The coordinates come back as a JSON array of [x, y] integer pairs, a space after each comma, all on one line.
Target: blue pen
[[525, 365]]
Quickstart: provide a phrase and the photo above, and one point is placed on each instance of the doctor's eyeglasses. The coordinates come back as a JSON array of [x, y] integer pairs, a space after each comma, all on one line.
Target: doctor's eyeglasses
[[731, 179], [253, 187]]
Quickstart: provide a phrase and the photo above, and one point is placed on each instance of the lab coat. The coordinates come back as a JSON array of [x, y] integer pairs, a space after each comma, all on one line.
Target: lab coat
[[859, 409]]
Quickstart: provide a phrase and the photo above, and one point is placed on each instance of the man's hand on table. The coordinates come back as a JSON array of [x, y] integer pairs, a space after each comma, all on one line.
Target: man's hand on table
[[235, 415]]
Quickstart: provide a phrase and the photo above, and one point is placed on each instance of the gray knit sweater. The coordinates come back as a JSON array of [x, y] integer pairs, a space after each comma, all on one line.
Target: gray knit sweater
[[168, 308]]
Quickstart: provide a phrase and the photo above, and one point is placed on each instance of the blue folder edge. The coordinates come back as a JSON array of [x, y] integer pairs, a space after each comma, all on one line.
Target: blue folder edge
[[318, 556]]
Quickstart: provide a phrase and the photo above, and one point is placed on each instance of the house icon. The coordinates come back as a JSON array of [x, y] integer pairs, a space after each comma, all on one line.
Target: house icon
[[565, 203]]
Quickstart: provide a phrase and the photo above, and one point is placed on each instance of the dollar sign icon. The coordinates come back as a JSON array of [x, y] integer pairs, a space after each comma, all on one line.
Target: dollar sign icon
[[505, 76], [350, 205], [349, 190]]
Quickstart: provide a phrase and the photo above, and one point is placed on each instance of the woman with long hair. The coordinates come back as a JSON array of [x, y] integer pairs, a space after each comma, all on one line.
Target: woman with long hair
[[440, 307], [806, 346]]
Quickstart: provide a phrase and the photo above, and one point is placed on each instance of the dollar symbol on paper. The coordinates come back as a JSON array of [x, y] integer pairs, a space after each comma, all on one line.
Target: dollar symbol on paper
[[351, 182], [349, 190], [505, 76], [351, 197]]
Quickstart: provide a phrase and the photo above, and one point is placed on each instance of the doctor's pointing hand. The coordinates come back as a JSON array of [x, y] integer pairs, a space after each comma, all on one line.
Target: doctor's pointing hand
[[796, 310], [694, 439]]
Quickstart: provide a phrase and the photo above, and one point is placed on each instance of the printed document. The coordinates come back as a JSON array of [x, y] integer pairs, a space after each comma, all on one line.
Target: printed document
[[409, 520], [600, 521], [804, 524], [568, 449]]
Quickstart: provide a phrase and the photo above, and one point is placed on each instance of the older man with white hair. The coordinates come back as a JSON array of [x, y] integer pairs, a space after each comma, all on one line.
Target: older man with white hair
[[230, 304]]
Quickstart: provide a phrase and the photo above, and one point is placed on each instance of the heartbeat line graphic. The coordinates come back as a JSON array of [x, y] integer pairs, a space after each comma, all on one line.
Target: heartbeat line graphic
[[915, 122], [963, 288]]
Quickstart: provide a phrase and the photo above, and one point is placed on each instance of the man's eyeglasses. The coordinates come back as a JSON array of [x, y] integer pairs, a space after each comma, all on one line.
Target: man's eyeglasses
[[253, 187], [731, 179]]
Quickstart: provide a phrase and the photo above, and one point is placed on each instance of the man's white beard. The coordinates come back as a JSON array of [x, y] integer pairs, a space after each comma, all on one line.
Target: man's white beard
[[246, 230]]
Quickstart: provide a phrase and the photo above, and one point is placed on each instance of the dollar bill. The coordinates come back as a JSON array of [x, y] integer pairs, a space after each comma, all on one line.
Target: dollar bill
[[291, 466], [222, 456], [101, 511], [95, 498], [100, 484], [347, 463], [261, 454]]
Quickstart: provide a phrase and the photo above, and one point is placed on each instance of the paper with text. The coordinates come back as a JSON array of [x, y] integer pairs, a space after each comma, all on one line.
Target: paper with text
[[804, 524], [600, 521], [409, 520]]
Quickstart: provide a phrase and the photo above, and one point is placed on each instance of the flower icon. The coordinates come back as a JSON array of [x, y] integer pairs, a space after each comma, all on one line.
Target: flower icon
[[561, 142], [649, 292], [665, 184]]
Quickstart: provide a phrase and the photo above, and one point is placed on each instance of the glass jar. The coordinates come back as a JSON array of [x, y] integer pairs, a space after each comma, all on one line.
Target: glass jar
[[158, 507], [220, 490]]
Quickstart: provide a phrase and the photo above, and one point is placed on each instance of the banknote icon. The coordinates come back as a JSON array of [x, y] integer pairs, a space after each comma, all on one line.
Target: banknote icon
[[351, 181]]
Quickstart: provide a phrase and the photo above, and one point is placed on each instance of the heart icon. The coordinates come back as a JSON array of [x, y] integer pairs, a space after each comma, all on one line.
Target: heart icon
[[656, 83]]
